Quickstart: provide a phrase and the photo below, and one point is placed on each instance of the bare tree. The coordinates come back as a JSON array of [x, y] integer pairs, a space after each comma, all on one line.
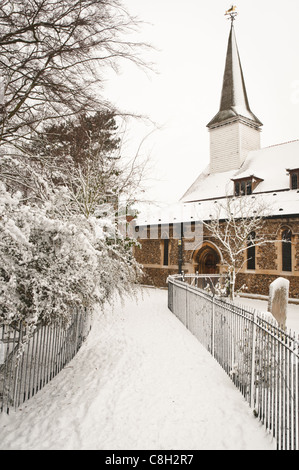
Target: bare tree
[[53, 54], [236, 224], [52, 57]]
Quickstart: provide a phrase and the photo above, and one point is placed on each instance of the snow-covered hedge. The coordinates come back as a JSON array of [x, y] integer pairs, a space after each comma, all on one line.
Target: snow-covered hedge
[[52, 264]]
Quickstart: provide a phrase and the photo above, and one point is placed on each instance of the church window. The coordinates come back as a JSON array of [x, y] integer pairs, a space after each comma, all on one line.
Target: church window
[[165, 251], [287, 250], [251, 251]]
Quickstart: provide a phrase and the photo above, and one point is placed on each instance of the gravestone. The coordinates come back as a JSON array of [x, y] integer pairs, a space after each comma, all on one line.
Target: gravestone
[[278, 300]]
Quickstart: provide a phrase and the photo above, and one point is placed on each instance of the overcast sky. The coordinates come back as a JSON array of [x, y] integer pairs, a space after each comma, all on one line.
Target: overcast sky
[[190, 38]]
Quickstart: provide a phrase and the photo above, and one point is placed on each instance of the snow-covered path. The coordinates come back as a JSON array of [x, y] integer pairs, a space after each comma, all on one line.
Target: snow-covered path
[[140, 381]]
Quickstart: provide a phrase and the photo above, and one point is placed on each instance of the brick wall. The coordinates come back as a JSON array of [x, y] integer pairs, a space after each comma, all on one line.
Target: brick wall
[[268, 259], [149, 252], [157, 276], [260, 283]]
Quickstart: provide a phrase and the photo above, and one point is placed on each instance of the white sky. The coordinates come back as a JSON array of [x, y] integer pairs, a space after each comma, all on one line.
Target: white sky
[[191, 38]]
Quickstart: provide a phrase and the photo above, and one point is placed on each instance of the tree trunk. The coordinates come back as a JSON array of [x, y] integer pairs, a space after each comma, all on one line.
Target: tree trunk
[[232, 282]]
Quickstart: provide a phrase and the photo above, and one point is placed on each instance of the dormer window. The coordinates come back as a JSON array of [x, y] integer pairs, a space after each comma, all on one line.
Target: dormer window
[[294, 178], [245, 186]]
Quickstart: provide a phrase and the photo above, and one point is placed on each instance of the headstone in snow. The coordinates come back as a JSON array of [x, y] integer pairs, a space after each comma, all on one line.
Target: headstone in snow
[[278, 300]]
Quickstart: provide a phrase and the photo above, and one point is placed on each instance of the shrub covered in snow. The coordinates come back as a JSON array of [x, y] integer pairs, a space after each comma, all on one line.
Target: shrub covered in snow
[[52, 263]]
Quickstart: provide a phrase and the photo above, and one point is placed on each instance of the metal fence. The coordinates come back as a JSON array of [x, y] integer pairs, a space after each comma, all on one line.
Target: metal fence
[[26, 366], [261, 358]]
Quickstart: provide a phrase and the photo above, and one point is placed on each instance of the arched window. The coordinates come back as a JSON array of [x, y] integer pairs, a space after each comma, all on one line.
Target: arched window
[[287, 250], [251, 251]]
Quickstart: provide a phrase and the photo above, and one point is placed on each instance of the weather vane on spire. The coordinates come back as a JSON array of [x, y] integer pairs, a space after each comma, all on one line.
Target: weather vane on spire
[[232, 13]]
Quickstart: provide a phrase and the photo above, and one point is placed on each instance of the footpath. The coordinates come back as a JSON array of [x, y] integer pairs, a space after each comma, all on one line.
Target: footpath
[[141, 381]]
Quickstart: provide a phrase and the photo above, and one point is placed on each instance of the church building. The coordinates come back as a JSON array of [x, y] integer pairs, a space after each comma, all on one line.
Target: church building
[[239, 170]]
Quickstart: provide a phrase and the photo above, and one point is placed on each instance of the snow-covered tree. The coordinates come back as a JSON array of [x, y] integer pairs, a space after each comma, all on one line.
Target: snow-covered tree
[[235, 225], [61, 248], [51, 267], [85, 154], [78, 139]]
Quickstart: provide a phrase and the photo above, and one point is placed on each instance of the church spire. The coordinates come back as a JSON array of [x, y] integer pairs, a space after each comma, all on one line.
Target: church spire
[[235, 130], [234, 101]]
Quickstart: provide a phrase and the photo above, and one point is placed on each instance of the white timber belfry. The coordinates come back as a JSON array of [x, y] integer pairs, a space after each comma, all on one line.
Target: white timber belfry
[[230, 144]]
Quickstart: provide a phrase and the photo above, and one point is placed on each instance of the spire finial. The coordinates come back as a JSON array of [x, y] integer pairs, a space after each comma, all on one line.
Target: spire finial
[[232, 13]]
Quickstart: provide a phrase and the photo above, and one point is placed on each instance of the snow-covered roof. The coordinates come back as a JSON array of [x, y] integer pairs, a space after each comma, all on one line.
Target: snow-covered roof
[[210, 186], [277, 204], [269, 164]]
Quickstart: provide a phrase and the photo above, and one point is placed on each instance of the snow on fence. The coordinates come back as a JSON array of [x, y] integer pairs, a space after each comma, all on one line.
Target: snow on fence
[[261, 358], [27, 366]]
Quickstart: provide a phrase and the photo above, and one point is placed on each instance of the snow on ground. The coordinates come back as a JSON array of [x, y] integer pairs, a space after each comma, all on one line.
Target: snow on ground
[[141, 381], [292, 322]]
